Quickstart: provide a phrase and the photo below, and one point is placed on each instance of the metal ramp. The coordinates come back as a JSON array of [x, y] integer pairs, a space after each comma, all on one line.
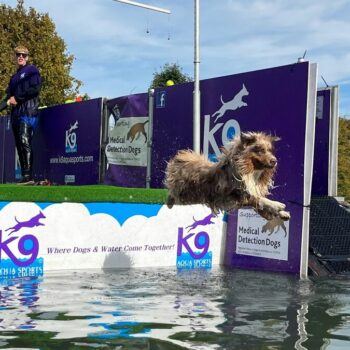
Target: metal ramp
[[329, 237]]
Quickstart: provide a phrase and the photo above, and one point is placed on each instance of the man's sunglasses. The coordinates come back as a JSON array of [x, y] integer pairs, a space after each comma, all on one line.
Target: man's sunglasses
[[19, 54]]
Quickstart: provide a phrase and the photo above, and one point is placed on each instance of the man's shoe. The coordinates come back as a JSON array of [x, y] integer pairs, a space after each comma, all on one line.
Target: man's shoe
[[26, 181]]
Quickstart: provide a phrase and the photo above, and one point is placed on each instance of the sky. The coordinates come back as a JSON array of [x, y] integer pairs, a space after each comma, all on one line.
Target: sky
[[119, 47]]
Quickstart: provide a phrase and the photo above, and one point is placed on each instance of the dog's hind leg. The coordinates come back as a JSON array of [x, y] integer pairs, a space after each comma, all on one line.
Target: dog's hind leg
[[214, 210], [170, 201]]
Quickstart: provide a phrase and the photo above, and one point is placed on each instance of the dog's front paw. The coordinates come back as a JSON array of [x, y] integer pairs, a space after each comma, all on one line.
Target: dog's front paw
[[284, 215], [270, 205], [266, 214]]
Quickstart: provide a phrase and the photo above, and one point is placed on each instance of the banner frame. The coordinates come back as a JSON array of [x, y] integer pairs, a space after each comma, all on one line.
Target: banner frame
[[308, 166], [333, 143]]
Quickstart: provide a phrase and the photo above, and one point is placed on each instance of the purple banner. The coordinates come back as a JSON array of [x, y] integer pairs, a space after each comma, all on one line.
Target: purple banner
[[67, 143], [127, 107], [172, 127], [270, 100], [2, 148], [274, 101], [322, 143]]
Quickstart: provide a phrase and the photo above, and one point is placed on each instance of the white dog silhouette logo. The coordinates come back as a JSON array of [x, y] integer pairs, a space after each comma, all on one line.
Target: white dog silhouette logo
[[232, 105]]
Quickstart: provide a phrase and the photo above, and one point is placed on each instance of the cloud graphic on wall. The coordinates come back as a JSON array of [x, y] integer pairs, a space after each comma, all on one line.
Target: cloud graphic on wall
[[122, 211], [99, 239]]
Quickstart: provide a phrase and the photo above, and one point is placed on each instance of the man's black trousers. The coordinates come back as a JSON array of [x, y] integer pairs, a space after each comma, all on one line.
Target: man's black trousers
[[23, 134]]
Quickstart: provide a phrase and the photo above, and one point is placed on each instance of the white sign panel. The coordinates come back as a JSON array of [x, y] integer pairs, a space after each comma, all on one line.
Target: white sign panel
[[259, 237], [34, 237], [128, 142]]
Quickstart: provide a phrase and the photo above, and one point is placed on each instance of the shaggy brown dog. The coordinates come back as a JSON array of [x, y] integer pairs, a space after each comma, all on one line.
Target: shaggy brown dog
[[242, 177]]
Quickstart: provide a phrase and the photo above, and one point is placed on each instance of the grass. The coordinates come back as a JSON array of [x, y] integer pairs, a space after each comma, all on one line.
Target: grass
[[81, 194]]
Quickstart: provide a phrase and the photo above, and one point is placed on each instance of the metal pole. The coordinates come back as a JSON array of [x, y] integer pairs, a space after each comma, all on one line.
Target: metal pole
[[104, 139], [333, 142], [149, 7], [150, 136], [196, 92]]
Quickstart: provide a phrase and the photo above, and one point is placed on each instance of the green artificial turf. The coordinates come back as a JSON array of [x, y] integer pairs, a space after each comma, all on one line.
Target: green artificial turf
[[81, 194]]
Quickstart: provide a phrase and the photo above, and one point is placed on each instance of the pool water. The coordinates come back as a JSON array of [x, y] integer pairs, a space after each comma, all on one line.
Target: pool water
[[169, 309]]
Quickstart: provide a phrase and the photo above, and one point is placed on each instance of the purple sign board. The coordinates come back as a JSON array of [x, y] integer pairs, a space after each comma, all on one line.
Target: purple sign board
[[67, 146], [322, 143], [280, 101], [2, 148], [172, 127], [274, 101]]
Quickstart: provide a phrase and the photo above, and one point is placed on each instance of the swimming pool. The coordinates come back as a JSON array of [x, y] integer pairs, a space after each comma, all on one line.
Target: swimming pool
[[170, 309]]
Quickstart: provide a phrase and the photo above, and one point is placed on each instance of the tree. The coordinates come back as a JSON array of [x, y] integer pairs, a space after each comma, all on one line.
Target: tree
[[344, 158], [37, 32], [169, 72]]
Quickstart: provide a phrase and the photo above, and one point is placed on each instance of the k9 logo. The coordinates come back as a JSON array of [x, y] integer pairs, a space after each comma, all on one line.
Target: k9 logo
[[199, 240], [220, 134], [71, 138], [71, 142], [27, 245]]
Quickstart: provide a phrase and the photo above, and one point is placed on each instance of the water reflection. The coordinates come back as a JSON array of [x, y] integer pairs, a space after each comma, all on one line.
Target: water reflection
[[18, 298], [167, 309], [282, 311]]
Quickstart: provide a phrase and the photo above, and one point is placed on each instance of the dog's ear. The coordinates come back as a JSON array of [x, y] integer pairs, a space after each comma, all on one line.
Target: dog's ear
[[247, 138]]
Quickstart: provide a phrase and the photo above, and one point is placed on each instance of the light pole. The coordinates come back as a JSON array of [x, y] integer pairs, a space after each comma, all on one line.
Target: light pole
[[196, 90]]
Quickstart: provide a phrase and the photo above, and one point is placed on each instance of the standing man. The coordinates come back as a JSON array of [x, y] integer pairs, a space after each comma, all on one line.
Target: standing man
[[23, 97]]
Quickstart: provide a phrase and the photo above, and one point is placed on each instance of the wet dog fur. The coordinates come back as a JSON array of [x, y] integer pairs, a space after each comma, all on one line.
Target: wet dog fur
[[242, 177]]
